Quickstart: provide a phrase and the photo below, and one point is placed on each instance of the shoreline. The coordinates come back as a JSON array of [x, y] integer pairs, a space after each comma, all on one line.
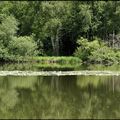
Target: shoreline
[[61, 60]]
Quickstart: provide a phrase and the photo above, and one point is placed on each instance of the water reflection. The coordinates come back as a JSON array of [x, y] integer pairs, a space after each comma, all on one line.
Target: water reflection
[[56, 67], [60, 97], [38, 67]]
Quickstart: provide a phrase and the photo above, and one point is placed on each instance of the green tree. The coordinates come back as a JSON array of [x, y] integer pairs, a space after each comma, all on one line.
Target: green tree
[[23, 46], [8, 29], [86, 48], [55, 16]]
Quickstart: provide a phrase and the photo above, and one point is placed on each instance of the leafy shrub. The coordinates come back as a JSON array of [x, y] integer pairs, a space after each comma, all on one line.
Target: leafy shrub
[[85, 48], [22, 46], [3, 53], [103, 55], [96, 52], [118, 56]]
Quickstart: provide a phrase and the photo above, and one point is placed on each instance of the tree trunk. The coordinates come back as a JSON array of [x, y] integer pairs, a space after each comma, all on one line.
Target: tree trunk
[[113, 40], [57, 43], [53, 44]]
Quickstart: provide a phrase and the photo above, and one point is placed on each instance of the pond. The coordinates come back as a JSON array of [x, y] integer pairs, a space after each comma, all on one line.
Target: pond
[[69, 96]]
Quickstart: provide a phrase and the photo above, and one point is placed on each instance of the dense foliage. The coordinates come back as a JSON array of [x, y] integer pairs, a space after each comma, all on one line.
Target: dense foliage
[[22, 46], [53, 27], [96, 51], [12, 46]]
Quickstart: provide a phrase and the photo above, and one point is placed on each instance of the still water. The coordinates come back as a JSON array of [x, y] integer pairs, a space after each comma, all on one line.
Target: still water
[[59, 96]]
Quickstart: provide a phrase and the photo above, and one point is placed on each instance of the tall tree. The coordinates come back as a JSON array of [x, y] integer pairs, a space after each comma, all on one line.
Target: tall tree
[[55, 16]]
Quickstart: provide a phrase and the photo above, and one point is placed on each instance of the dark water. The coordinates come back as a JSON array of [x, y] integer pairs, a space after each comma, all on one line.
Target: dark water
[[59, 97]]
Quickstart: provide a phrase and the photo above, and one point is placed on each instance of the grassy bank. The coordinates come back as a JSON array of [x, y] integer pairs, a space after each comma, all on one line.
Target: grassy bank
[[44, 60], [56, 66], [60, 60]]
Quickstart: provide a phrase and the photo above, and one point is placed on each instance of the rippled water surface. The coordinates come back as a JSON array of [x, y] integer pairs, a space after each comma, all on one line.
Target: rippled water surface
[[59, 96]]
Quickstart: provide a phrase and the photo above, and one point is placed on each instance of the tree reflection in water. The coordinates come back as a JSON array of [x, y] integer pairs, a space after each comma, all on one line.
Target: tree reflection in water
[[60, 97]]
